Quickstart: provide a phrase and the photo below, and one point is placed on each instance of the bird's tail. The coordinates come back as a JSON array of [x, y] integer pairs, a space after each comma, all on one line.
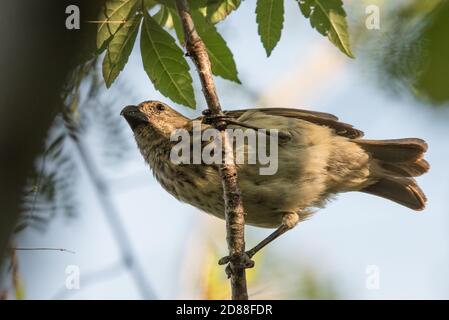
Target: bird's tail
[[395, 163]]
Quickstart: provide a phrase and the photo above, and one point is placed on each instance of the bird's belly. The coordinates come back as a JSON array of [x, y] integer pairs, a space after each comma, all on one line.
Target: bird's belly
[[266, 198], [265, 201]]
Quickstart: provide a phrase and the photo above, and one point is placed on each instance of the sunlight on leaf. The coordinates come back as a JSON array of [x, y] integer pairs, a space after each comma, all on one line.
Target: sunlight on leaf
[[329, 18], [432, 81], [218, 10]]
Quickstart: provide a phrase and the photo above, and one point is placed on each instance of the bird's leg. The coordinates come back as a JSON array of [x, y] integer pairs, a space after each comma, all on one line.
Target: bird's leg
[[289, 221], [219, 121]]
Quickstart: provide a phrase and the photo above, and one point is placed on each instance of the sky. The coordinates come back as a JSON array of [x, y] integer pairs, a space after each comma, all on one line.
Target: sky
[[354, 235]]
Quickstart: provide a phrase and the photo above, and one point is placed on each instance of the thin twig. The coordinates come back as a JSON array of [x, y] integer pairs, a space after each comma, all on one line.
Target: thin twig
[[235, 221], [43, 249]]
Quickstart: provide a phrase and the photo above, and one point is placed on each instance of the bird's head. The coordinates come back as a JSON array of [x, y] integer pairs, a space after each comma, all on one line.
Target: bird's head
[[154, 116]]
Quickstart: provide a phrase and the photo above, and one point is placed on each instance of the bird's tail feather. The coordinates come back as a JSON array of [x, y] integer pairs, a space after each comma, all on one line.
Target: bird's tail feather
[[396, 162]]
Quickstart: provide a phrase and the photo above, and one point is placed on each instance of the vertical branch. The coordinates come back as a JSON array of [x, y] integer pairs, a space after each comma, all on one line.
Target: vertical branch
[[235, 221]]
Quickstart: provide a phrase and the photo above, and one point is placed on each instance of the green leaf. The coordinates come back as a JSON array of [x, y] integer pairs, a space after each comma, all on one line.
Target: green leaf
[[119, 49], [329, 18], [214, 10], [113, 13], [165, 64], [193, 4], [220, 55], [148, 4], [177, 25], [218, 10], [167, 3], [168, 17], [164, 17], [270, 18]]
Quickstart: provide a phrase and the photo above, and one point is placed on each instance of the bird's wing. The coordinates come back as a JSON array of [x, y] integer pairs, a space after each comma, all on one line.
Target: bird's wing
[[285, 112], [319, 118]]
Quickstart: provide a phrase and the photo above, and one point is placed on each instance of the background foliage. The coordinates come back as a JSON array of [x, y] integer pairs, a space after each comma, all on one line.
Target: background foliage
[[163, 58]]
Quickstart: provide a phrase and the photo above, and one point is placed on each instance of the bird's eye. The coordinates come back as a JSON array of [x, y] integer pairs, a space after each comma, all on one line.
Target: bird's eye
[[160, 107]]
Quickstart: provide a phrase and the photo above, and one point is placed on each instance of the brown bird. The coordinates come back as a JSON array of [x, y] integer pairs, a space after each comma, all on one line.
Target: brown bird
[[318, 157]]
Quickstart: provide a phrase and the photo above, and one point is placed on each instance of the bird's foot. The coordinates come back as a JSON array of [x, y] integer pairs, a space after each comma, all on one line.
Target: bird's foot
[[217, 120], [244, 262]]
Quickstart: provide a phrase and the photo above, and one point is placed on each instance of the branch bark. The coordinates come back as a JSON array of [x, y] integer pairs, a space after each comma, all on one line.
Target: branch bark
[[235, 220]]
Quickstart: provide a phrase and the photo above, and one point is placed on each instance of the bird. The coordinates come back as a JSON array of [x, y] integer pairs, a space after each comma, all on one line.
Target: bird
[[318, 158]]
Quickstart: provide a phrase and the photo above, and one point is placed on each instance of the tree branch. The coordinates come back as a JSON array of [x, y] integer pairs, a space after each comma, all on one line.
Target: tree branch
[[235, 220], [43, 249]]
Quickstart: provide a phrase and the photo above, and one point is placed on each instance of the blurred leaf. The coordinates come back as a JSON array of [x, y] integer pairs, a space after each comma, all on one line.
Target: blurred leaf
[[220, 55], [119, 49], [411, 54], [218, 10], [19, 289], [114, 12], [17, 282], [312, 285], [432, 80], [214, 10], [168, 3], [21, 226], [329, 18], [270, 19], [165, 64], [51, 187]]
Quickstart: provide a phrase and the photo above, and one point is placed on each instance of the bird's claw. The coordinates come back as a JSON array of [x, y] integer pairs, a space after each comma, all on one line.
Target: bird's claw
[[219, 121], [243, 261]]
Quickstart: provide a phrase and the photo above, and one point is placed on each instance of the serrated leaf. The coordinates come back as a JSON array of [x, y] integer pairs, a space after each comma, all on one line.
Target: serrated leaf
[[329, 18], [220, 55], [165, 64], [119, 49], [218, 10], [112, 15], [270, 19]]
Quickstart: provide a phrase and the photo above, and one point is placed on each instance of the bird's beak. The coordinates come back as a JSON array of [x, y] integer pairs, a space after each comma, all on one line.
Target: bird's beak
[[134, 116]]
